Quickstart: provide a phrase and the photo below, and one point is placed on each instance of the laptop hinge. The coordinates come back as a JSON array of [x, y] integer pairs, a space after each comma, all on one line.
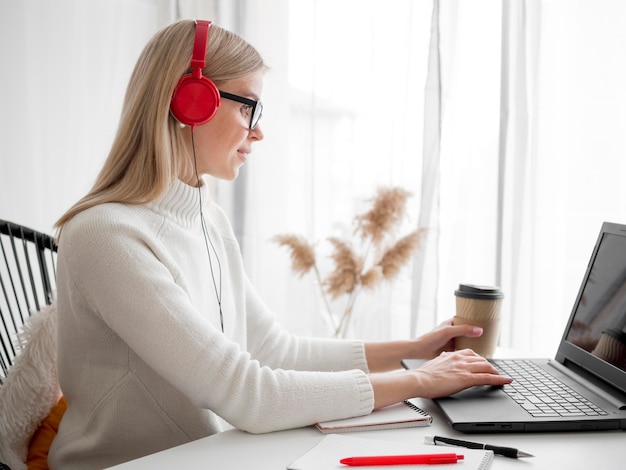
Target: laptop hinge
[[579, 375]]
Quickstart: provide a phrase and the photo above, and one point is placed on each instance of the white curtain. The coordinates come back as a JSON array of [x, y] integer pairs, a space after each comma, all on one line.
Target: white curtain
[[503, 117], [561, 153], [343, 116]]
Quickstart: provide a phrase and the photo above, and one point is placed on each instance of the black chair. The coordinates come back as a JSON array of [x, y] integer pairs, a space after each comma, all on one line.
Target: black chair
[[27, 281]]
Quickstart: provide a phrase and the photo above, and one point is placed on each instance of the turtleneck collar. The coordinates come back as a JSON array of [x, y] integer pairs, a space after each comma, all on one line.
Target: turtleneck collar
[[182, 202]]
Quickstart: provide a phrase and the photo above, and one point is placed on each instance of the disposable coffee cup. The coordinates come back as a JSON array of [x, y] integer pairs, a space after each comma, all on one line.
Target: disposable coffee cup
[[478, 306]]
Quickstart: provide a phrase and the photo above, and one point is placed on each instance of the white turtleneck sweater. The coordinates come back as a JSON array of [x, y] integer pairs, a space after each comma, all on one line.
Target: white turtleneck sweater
[[142, 359]]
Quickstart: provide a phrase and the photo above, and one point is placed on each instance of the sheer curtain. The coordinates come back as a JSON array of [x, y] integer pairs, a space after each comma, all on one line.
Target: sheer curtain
[[503, 118], [343, 116], [561, 152]]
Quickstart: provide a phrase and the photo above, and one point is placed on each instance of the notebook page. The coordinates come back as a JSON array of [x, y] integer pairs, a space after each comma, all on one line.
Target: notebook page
[[334, 447]]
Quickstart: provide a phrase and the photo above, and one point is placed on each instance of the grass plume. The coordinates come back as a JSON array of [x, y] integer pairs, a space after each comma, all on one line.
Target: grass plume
[[380, 257]]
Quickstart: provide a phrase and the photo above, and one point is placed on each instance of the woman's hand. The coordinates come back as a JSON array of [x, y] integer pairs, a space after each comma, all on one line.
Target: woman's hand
[[441, 339], [451, 372], [448, 373], [385, 356]]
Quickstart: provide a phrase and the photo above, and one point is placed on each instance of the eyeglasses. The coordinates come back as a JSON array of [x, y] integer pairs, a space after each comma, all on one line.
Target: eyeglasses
[[255, 113]]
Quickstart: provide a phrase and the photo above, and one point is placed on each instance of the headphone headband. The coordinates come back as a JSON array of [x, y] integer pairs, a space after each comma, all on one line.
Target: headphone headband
[[198, 59]]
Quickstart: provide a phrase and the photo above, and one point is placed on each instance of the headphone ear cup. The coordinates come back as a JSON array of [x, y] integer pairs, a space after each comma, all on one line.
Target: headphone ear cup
[[195, 100]]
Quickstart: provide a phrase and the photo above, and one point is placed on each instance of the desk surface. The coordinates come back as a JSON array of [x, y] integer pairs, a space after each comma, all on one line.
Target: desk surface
[[235, 449]]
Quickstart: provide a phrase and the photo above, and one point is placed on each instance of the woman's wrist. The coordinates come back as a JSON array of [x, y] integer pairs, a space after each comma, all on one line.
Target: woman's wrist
[[390, 388], [387, 356]]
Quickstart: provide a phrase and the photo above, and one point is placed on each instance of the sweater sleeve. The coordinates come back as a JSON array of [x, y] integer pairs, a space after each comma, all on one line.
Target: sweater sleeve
[[273, 345], [127, 285]]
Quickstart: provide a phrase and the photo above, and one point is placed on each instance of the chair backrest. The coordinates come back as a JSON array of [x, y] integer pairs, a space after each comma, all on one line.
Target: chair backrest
[[27, 283]]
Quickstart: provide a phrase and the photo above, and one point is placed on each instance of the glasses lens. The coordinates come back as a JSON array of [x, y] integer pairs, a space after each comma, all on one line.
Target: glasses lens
[[258, 112]]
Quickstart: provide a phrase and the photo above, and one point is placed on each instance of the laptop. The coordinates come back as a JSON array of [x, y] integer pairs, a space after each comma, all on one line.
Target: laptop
[[584, 387]]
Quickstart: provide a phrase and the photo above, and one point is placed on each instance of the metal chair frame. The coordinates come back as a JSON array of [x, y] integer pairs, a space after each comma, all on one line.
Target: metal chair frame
[[27, 283]]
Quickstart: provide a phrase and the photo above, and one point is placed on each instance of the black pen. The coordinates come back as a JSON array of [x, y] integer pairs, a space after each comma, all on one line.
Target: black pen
[[505, 451]]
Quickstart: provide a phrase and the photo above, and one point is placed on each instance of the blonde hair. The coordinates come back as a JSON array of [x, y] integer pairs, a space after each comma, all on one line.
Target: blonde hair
[[149, 152]]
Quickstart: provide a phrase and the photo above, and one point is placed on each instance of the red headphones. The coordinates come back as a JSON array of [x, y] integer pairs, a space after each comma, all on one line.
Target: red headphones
[[196, 98]]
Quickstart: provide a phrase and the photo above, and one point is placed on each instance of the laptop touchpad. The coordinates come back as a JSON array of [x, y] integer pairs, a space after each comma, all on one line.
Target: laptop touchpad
[[479, 391]]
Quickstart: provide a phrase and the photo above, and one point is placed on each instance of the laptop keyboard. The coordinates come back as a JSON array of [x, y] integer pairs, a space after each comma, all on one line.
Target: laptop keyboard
[[541, 394]]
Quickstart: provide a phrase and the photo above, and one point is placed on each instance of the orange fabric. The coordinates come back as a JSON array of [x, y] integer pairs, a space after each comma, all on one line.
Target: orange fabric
[[42, 439]]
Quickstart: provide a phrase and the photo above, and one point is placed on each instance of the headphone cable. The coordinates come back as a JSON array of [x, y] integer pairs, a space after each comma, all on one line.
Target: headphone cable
[[207, 238]]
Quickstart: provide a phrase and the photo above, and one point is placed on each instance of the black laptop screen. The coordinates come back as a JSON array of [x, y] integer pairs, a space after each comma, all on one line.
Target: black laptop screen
[[599, 323]]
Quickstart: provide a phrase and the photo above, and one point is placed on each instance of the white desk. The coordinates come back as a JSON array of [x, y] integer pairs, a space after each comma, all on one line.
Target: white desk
[[233, 449]]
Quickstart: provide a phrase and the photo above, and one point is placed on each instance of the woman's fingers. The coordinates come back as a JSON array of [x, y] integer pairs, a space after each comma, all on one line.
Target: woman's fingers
[[453, 371]]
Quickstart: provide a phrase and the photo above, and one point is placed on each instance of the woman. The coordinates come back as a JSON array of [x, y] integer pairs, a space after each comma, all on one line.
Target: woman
[[159, 328]]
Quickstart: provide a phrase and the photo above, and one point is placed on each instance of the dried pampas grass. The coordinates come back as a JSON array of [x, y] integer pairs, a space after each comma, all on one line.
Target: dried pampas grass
[[381, 257], [348, 265], [302, 253], [398, 255], [388, 210]]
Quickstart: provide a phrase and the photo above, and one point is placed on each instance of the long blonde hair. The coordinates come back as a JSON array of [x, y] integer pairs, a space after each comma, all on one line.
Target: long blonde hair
[[149, 152]]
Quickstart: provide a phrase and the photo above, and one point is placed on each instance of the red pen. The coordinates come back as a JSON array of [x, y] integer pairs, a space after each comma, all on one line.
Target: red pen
[[426, 459]]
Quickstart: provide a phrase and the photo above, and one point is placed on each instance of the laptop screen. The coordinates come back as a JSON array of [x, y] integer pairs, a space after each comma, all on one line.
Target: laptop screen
[[598, 326]]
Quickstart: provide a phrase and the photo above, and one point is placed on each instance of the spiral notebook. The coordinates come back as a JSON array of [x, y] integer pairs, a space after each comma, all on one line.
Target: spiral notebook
[[334, 447], [406, 414]]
